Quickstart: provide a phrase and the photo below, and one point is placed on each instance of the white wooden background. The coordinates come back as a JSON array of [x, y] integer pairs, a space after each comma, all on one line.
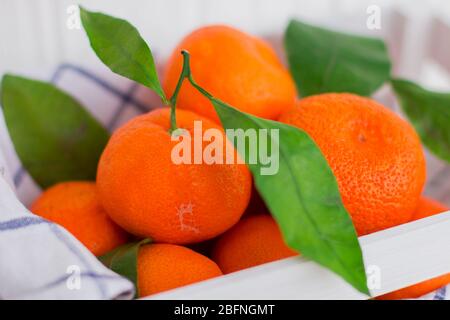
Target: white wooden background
[[34, 33]]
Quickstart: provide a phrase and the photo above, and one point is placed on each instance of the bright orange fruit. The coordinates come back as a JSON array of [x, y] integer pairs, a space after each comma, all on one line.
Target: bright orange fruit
[[235, 67], [255, 240], [149, 195], [165, 266], [75, 206], [376, 156], [428, 207]]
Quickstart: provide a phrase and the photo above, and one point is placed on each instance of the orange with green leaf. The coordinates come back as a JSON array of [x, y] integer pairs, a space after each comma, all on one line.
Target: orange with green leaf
[[165, 201], [75, 205], [376, 156], [235, 67]]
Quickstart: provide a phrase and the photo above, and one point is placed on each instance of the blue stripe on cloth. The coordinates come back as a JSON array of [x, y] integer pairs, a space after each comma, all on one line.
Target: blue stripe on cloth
[[68, 242], [19, 223], [23, 222], [440, 294], [125, 100], [18, 176], [67, 66]]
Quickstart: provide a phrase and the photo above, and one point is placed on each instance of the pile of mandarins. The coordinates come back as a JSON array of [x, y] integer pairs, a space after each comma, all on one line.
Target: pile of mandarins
[[198, 216]]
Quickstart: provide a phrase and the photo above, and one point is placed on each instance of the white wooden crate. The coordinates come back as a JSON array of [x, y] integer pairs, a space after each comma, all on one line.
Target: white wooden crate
[[400, 256]]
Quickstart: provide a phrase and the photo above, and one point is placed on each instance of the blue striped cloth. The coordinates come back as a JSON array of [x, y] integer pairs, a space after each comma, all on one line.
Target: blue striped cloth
[[41, 260]]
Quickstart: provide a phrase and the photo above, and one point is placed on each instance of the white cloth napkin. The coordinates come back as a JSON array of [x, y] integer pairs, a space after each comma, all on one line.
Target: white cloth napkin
[[41, 260]]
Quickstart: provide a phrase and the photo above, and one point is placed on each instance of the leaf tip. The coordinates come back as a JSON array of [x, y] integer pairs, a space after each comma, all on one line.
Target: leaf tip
[[83, 12], [8, 77]]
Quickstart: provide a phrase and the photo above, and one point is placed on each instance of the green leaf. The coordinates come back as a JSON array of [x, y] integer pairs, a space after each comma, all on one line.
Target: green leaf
[[120, 46], [429, 113], [54, 136], [303, 196], [322, 60], [123, 260]]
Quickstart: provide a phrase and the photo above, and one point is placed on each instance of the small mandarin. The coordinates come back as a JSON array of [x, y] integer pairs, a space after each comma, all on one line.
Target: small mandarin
[[163, 267], [235, 67], [255, 240], [149, 195], [376, 157], [75, 206]]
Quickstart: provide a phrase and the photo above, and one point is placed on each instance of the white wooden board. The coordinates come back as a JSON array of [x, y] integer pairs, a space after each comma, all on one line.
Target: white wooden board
[[403, 255]]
